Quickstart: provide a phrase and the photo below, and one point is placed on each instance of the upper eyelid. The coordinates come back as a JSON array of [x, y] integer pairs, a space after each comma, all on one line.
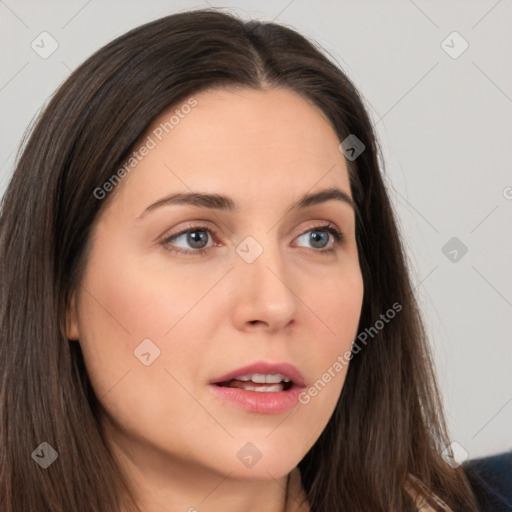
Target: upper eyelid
[[206, 227], [326, 225]]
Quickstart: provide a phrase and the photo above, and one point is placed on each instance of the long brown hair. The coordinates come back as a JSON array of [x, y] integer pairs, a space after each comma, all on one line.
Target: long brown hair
[[388, 423]]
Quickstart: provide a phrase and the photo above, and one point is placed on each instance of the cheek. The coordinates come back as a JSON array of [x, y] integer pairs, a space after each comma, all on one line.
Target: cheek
[[336, 303], [140, 297], [125, 302], [338, 308]]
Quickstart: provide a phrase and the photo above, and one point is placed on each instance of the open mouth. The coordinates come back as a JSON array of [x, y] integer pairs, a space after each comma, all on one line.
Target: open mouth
[[261, 387], [266, 383]]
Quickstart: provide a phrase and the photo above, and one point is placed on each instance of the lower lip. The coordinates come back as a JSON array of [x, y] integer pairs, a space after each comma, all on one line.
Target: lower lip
[[265, 402]]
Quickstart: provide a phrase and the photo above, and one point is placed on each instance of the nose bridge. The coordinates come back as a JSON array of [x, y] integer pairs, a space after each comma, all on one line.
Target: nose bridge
[[265, 291]]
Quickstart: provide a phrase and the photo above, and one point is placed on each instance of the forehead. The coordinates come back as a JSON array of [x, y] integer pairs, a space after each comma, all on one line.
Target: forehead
[[241, 142]]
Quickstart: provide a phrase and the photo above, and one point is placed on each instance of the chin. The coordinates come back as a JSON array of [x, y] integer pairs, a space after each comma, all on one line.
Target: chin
[[263, 460], [261, 472]]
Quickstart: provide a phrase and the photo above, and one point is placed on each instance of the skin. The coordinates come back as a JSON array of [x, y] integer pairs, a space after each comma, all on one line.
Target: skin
[[209, 314]]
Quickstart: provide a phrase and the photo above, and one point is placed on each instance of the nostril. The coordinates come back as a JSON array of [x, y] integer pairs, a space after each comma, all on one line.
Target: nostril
[[256, 322]]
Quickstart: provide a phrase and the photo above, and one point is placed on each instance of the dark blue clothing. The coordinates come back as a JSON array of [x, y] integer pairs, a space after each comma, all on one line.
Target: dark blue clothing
[[491, 480]]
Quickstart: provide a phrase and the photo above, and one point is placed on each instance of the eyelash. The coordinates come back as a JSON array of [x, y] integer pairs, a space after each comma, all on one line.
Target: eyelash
[[338, 236]]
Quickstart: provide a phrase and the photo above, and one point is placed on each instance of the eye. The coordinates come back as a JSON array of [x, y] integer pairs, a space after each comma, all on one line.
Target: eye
[[323, 239], [320, 236], [195, 240]]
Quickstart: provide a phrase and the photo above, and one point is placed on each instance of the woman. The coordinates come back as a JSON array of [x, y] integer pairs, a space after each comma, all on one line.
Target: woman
[[205, 300]]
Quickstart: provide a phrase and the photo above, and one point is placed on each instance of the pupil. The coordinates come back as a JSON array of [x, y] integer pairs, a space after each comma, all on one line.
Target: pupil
[[196, 237], [317, 236]]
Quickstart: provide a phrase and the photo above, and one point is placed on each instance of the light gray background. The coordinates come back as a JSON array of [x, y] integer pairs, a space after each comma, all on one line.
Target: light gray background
[[445, 126]]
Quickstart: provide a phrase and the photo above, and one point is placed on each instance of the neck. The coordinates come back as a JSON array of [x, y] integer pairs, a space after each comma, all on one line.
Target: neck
[[163, 484]]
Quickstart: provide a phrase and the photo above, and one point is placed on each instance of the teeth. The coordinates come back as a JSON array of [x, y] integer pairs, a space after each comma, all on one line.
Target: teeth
[[275, 387], [260, 378]]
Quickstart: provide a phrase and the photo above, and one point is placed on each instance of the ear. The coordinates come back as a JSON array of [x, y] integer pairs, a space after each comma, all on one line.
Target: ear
[[72, 331]]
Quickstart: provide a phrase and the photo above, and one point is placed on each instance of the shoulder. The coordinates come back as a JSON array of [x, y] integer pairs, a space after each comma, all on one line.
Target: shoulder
[[491, 480]]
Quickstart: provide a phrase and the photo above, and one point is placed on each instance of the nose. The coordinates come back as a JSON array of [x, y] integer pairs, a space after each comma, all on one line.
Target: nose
[[263, 296]]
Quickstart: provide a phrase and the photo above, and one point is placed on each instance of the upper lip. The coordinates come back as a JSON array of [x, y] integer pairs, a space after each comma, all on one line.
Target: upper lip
[[265, 368]]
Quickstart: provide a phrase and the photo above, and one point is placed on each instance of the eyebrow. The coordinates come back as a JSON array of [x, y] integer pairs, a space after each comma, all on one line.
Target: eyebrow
[[220, 202]]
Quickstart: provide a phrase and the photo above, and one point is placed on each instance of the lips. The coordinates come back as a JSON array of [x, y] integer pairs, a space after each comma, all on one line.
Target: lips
[[260, 387]]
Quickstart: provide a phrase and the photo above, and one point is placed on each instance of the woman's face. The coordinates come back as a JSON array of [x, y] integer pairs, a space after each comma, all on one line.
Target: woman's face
[[164, 317]]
